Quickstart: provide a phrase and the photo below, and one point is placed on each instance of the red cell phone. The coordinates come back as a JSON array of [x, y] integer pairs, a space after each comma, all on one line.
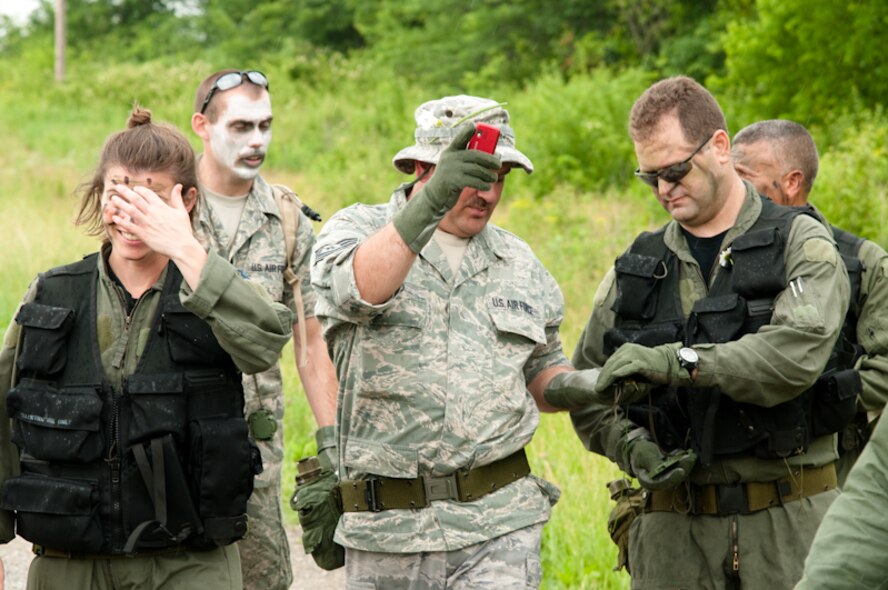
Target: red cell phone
[[485, 138]]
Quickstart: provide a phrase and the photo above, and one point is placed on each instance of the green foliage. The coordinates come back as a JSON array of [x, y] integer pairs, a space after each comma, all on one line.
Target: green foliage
[[852, 185], [806, 61]]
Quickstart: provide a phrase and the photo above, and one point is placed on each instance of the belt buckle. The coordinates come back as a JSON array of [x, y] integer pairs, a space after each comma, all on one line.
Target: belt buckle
[[441, 488], [732, 499], [371, 495]]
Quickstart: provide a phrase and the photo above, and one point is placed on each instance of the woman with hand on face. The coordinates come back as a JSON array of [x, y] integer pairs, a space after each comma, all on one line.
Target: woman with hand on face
[[128, 462]]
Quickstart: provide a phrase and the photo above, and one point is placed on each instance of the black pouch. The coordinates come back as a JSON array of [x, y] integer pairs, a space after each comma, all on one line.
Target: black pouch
[[58, 513], [45, 329], [637, 276], [153, 406], [716, 319], [190, 339], [650, 335], [835, 401], [222, 468], [56, 425], [757, 264]]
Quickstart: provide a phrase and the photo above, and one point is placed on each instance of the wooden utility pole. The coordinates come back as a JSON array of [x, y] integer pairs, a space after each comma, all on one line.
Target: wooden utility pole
[[60, 40]]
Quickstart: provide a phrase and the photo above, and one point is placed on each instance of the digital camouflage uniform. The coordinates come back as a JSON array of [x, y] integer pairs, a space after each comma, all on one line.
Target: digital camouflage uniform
[[253, 334], [258, 252], [672, 550], [435, 380], [848, 552]]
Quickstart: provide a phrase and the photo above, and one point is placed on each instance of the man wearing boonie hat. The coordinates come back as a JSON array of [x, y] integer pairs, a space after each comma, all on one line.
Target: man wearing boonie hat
[[444, 332]]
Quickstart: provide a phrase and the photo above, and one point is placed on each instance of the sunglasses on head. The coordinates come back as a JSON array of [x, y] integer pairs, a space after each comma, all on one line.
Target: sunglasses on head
[[672, 173], [233, 80]]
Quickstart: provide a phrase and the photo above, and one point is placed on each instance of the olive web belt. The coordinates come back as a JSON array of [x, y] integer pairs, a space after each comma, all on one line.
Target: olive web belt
[[388, 493]]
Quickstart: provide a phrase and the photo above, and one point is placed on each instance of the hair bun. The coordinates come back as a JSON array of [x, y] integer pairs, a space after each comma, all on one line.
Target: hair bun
[[138, 116]]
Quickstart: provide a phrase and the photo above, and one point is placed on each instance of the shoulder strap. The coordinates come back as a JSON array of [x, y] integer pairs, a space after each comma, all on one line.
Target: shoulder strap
[[289, 205]]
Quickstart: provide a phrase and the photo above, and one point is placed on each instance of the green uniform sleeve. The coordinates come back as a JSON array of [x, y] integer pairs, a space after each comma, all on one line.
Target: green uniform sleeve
[[872, 327], [600, 428], [849, 549], [9, 456], [785, 357], [248, 324]]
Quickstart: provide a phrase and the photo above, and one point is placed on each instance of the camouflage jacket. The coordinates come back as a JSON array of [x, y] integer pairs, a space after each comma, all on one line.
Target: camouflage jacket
[[775, 364], [258, 252], [435, 379]]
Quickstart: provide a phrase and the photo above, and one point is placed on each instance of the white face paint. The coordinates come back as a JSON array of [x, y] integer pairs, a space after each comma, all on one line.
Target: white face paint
[[240, 136]]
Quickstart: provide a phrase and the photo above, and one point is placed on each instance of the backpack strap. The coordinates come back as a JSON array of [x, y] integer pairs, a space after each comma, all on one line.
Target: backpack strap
[[289, 206]]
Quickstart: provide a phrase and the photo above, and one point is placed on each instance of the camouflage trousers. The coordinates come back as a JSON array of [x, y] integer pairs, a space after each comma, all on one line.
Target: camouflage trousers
[[678, 551], [509, 562], [264, 550], [218, 569]]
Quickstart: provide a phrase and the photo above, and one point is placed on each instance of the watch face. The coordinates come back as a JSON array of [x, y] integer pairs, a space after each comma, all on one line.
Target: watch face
[[688, 355]]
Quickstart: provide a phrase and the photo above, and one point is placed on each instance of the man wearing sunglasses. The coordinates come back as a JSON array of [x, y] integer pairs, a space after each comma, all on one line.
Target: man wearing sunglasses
[[239, 217], [780, 159], [710, 333]]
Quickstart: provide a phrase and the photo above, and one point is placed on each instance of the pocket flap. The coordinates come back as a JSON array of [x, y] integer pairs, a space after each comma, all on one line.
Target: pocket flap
[[47, 495], [155, 384], [756, 239], [37, 315], [68, 409], [638, 265], [716, 304]]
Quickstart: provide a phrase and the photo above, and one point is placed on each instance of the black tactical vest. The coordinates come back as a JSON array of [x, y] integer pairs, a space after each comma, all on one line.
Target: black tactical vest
[[164, 461], [740, 301]]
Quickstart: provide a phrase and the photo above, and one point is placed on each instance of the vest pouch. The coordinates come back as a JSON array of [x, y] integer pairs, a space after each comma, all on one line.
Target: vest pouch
[[222, 468], [56, 425], [213, 392], [787, 426], [44, 331], [835, 401], [157, 506], [58, 513], [190, 339], [650, 335], [637, 276], [153, 406], [757, 264], [716, 319], [664, 416]]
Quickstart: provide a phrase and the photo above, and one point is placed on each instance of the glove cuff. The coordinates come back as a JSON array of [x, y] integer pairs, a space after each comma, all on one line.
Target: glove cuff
[[326, 437], [417, 220]]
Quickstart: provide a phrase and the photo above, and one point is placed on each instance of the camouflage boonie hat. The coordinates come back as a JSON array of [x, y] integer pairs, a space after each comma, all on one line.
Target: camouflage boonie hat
[[435, 121]]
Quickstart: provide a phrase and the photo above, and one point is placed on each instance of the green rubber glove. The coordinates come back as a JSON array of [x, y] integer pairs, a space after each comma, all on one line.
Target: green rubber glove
[[635, 362], [654, 469], [327, 438], [573, 390], [457, 168]]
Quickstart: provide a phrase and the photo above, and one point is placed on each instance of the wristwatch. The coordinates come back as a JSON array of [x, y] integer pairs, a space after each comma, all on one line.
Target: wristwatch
[[688, 358]]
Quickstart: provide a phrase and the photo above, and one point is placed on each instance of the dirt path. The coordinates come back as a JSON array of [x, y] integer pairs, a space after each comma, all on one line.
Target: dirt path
[[17, 556]]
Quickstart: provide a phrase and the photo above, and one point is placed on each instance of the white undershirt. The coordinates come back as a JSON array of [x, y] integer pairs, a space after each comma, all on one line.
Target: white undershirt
[[228, 210], [454, 248]]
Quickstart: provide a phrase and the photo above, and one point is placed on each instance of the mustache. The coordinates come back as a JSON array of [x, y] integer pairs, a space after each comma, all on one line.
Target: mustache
[[478, 203]]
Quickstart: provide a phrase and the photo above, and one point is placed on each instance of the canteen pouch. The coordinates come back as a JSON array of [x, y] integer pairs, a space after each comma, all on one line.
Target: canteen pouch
[[45, 329], [56, 425], [629, 504], [319, 507], [62, 514]]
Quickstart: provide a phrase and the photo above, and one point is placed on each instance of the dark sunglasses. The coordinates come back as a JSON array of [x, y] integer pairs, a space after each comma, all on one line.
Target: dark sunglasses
[[672, 173], [233, 80]]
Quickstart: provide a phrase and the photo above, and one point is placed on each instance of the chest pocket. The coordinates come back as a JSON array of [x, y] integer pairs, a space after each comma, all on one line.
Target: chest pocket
[[403, 322], [519, 329]]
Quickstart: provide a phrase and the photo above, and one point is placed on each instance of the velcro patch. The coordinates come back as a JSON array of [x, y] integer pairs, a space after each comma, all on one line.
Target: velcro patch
[[817, 250]]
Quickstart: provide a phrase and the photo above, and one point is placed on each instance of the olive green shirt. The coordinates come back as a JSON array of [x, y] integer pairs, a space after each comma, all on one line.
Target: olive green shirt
[[766, 368]]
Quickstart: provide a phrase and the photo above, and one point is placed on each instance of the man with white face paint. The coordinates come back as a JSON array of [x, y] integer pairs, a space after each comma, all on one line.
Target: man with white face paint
[[239, 218]]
